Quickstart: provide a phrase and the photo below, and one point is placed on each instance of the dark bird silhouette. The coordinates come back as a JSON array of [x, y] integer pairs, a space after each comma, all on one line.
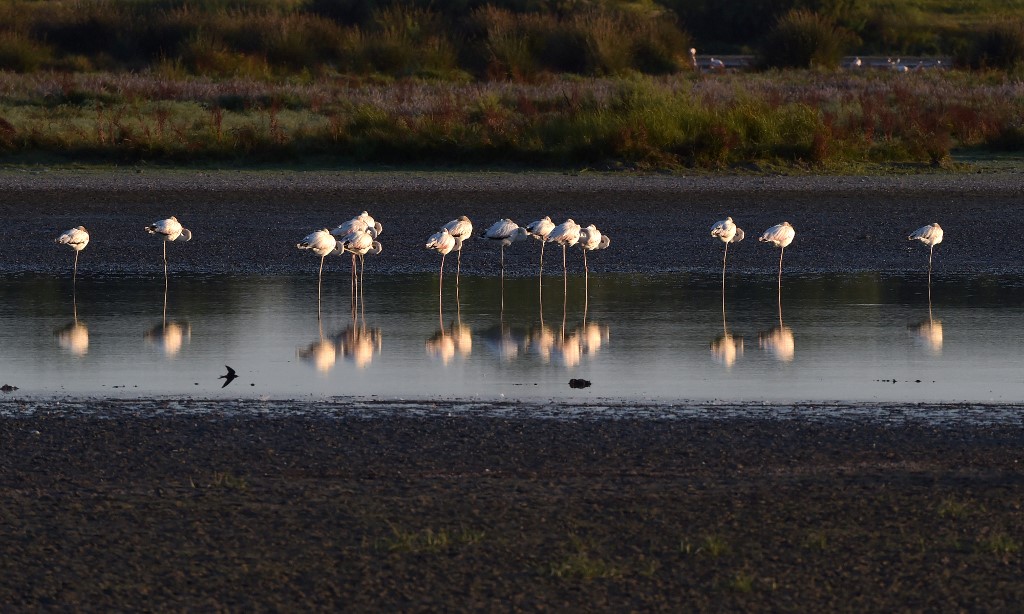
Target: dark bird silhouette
[[231, 375]]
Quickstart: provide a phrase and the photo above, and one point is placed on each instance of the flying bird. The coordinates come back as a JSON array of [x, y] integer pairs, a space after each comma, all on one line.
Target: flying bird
[[76, 239], [565, 234], [321, 243], [229, 377], [780, 235], [540, 229], [728, 232], [169, 230], [506, 232], [930, 235], [460, 229]]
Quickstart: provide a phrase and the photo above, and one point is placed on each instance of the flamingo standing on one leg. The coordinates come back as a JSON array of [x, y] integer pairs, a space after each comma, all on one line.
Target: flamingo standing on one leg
[[76, 239], [505, 232], [930, 235], [565, 234], [169, 230], [540, 229], [780, 235], [590, 239], [320, 243], [360, 244], [460, 229], [443, 243], [728, 232]]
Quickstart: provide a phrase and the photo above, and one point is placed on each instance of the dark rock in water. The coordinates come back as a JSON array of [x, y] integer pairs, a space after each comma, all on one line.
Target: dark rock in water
[[579, 383], [8, 388]]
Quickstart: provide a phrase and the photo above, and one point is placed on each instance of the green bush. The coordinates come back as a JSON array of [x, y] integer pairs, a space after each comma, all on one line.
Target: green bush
[[802, 39], [999, 46]]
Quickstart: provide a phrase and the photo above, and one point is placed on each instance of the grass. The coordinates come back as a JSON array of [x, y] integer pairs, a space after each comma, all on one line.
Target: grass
[[428, 540], [796, 119]]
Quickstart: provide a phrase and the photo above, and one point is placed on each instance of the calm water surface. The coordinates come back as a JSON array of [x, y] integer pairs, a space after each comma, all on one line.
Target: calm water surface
[[848, 338]]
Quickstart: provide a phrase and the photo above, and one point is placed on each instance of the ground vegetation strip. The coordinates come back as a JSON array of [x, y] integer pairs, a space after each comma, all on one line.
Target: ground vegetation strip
[[746, 121], [172, 508]]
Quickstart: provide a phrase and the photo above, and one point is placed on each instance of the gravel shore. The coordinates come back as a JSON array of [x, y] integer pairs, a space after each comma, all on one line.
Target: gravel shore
[[248, 221], [166, 506]]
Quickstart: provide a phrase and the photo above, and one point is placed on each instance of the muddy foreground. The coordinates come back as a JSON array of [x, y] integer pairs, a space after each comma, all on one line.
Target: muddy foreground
[[248, 505]]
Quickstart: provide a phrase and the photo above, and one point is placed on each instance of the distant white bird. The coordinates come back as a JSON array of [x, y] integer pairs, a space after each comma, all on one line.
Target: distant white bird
[[716, 65], [169, 230], [506, 232], [565, 234], [728, 232], [540, 229], [930, 235], [693, 58], [591, 239], [321, 243], [442, 242], [360, 244], [780, 235], [460, 229], [76, 239], [363, 221]]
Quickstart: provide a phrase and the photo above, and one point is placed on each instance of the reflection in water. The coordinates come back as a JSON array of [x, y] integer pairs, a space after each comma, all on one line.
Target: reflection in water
[[170, 337], [73, 337], [541, 341], [504, 342], [444, 344], [322, 354], [359, 344], [726, 348], [929, 333], [778, 341]]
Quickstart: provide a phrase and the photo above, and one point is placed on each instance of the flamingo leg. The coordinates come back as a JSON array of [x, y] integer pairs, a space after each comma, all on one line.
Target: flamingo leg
[[362, 295], [726, 256], [440, 286], [165, 260], [931, 250], [319, 279], [565, 272], [74, 277], [458, 269]]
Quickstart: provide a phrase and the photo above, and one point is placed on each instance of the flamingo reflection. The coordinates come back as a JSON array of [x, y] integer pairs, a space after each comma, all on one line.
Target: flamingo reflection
[[505, 342], [359, 344], [726, 348], [322, 354], [73, 337], [778, 340], [169, 337]]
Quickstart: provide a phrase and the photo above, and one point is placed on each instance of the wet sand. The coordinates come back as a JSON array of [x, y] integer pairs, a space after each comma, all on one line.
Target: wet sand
[[436, 506], [110, 505]]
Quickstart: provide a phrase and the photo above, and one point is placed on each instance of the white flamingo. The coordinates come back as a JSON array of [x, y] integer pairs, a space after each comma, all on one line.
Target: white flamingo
[[360, 244], [443, 243], [169, 230], [565, 234], [506, 232], [930, 235], [361, 223], [76, 238], [460, 229], [321, 243], [780, 235], [540, 229], [728, 232], [591, 239]]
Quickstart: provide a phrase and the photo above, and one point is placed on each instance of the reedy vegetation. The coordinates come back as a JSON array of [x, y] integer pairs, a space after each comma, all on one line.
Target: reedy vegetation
[[562, 84], [800, 117]]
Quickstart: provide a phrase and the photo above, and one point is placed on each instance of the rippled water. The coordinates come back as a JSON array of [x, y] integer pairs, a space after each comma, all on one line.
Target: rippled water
[[857, 337]]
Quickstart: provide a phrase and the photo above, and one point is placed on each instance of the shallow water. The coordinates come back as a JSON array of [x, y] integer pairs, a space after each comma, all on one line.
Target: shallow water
[[845, 338]]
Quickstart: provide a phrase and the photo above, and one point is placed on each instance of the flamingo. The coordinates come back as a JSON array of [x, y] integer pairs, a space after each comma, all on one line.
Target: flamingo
[[460, 229], [565, 234], [76, 238], [591, 239], [360, 223], [728, 232], [930, 235], [780, 235], [506, 232], [360, 244], [169, 230], [321, 243], [443, 242], [540, 229]]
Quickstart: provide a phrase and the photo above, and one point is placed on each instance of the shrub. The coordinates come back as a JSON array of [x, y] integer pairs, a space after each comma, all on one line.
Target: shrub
[[18, 53], [802, 39], [999, 46]]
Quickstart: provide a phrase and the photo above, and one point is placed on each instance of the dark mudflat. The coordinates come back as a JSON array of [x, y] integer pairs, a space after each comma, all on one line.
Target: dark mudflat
[[164, 506], [249, 222]]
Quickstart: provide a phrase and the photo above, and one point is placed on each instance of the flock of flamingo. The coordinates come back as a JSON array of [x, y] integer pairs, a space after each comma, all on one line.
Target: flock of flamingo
[[358, 237]]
